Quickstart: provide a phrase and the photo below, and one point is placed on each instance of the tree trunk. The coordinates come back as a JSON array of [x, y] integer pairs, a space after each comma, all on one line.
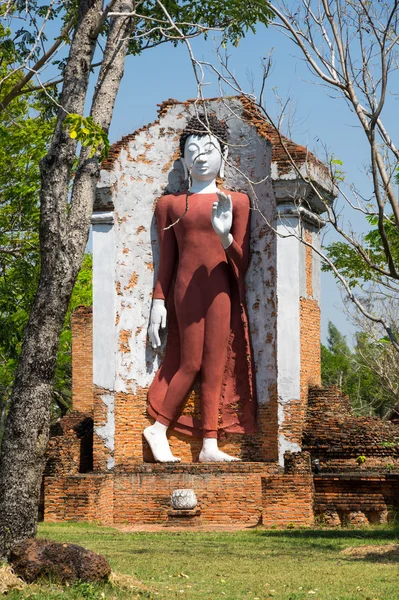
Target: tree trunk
[[3, 416], [63, 236]]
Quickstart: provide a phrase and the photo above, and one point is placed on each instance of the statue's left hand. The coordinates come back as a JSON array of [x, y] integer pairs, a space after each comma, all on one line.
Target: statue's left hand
[[222, 218]]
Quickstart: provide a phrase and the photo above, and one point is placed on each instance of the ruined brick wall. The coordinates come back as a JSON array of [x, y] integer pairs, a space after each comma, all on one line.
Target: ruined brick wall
[[79, 498], [308, 344], [102, 453], [309, 318], [226, 495], [288, 496], [70, 447], [342, 499], [337, 438], [131, 418], [82, 359]]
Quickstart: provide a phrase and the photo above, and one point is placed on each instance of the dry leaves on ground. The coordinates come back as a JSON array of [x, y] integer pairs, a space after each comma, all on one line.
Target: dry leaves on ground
[[127, 582], [8, 580]]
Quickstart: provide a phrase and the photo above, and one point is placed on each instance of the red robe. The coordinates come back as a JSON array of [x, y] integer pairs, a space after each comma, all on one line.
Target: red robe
[[237, 410]]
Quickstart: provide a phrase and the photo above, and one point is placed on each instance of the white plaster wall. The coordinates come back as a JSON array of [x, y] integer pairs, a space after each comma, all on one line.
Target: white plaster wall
[[104, 298], [139, 178], [107, 431], [290, 272], [104, 334]]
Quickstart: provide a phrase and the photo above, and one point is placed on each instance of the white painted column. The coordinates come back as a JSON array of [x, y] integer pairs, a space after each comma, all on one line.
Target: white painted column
[[290, 272], [104, 314]]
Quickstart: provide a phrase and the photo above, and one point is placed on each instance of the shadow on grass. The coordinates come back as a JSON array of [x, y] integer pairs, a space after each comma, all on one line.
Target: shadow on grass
[[389, 557], [334, 534]]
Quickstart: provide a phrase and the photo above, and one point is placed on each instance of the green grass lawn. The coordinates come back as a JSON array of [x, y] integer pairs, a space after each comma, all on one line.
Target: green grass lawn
[[253, 564]]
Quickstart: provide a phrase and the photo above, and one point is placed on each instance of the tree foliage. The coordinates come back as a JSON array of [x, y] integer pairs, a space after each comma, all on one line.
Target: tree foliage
[[352, 49], [25, 130], [69, 171], [354, 372], [153, 23]]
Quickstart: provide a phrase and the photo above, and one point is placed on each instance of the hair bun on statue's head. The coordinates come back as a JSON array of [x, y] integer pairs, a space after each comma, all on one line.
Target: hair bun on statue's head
[[203, 125]]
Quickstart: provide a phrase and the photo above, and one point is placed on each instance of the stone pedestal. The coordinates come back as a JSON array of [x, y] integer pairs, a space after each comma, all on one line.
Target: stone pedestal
[[183, 518]]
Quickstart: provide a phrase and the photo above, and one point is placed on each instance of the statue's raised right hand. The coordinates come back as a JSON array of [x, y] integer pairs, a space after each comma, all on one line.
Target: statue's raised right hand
[[157, 320]]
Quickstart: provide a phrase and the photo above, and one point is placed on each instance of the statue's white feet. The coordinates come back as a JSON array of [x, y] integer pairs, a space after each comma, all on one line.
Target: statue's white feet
[[158, 442], [211, 453]]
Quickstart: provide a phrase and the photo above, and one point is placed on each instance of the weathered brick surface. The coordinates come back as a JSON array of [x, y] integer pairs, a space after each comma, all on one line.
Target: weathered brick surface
[[294, 412], [288, 497], [284, 150], [308, 263], [69, 450], [337, 438], [355, 498], [288, 500], [131, 418], [280, 144], [101, 453], [86, 497], [82, 359], [228, 494]]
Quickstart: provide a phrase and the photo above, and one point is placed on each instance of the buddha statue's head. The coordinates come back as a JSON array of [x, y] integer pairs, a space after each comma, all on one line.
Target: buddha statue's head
[[203, 148]]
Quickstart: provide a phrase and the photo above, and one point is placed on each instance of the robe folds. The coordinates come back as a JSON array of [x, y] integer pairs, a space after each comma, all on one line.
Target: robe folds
[[237, 408]]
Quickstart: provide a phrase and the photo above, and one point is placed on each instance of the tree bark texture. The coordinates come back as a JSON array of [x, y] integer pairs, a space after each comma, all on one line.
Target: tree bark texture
[[64, 230]]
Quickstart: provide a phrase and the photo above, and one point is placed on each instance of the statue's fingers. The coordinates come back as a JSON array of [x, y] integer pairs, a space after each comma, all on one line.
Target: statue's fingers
[[215, 209], [163, 321]]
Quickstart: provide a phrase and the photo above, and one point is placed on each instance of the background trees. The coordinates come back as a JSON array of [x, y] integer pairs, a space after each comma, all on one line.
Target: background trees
[[351, 48], [69, 172], [367, 373]]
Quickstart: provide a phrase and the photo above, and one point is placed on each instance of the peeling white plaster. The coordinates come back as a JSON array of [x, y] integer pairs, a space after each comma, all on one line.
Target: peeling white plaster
[[289, 275], [284, 445], [104, 297], [107, 431], [140, 176], [143, 172]]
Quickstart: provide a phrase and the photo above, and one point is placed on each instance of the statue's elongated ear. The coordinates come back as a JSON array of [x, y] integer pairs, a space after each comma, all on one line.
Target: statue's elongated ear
[[224, 158], [185, 168]]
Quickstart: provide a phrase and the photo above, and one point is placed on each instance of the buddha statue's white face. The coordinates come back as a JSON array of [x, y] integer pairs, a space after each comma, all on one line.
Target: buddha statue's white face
[[203, 157]]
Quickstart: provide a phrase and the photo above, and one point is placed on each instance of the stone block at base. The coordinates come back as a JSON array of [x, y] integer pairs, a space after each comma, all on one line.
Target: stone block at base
[[183, 518]]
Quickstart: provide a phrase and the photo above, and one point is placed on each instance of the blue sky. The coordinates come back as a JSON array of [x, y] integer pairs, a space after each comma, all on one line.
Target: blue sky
[[318, 118]]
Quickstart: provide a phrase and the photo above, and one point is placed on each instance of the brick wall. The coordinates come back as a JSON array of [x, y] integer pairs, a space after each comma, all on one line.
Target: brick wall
[[310, 359], [288, 497], [131, 418], [101, 453], [70, 447], [82, 359], [355, 499], [337, 438], [86, 497], [228, 494]]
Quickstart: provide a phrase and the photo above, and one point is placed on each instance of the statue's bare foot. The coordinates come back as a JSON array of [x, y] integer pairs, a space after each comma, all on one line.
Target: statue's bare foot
[[158, 442], [215, 455]]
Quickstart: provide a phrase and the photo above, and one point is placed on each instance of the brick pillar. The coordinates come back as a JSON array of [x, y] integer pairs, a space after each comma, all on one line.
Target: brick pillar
[[310, 315], [82, 359]]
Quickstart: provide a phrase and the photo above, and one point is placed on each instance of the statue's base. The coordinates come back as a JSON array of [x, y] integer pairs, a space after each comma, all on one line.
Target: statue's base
[[242, 494], [183, 518]]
